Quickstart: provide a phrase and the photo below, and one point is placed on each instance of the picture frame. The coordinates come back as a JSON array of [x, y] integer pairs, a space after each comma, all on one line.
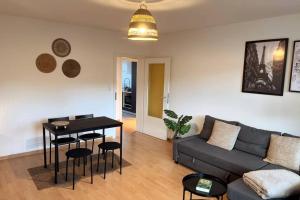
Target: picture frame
[[295, 68], [264, 66]]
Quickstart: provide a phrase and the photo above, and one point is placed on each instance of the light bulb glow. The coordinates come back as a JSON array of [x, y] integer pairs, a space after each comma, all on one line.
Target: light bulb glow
[[278, 55]]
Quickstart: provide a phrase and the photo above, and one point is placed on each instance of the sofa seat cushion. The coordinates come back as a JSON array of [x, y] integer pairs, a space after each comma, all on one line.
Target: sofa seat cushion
[[238, 190], [234, 161], [272, 166]]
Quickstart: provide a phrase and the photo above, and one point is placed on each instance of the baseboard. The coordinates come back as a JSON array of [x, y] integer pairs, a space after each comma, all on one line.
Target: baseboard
[[39, 151], [29, 153]]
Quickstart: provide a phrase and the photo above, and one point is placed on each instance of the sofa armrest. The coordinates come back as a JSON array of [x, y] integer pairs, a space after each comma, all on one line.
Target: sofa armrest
[[177, 141]]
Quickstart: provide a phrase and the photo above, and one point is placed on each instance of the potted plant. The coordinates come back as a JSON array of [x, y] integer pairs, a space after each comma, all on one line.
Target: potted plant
[[177, 124]]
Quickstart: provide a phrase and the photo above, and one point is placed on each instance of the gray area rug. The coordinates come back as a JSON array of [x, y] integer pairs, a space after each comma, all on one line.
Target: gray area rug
[[43, 178]]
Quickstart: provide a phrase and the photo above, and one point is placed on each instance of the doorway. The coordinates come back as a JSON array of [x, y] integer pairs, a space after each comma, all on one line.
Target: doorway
[[126, 93], [142, 93], [129, 77]]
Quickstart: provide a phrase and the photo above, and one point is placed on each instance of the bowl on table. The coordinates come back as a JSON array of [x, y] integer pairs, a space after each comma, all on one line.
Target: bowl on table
[[60, 124]]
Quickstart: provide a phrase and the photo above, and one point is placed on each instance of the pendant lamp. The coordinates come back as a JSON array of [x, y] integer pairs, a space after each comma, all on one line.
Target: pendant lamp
[[142, 25]]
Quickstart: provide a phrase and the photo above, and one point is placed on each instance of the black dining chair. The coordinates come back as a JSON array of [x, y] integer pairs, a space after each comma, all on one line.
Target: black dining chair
[[89, 136], [62, 140]]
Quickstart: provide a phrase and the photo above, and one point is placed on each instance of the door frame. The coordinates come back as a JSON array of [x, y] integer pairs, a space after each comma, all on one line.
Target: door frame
[[117, 89]]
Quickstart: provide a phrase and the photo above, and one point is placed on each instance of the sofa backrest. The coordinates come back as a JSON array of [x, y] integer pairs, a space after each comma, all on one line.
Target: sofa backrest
[[208, 126], [251, 140], [254, 141]]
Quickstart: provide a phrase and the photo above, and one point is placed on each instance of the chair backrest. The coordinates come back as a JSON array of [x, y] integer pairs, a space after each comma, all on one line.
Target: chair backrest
[[84, 116], [50, 120]]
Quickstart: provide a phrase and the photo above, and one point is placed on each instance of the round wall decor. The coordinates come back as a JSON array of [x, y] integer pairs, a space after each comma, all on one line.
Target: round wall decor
[[46, 63], [71, 68], [61, 47]]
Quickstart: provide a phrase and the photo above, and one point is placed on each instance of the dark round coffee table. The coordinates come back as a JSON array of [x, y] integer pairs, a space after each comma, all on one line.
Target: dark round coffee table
[[218, 189]]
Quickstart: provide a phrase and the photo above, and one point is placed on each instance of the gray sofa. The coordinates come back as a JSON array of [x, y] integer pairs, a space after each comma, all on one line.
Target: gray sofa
[[250, 149]]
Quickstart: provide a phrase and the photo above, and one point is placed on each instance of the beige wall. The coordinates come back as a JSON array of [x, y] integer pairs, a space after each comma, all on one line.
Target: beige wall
[[207, 67], [27, 96]]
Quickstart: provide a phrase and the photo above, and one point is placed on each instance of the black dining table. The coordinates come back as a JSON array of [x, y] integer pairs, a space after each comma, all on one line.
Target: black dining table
[[78, 126]]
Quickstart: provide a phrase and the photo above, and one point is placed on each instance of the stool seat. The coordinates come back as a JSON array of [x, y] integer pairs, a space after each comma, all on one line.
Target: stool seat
[[109, 146], [90, 136], [64, 140], [79, 153]]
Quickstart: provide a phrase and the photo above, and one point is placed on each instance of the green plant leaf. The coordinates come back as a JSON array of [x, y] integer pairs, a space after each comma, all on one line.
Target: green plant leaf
[[171, 114], [184, 129], [172, 125], [185, 119]]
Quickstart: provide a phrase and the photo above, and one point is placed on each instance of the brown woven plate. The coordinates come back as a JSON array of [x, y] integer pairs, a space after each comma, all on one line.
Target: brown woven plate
[[61, 47], [46, 63], [71, 68]]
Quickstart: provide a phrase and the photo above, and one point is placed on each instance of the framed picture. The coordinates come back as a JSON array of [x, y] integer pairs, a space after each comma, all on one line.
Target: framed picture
[[264, 66], [295, 71]]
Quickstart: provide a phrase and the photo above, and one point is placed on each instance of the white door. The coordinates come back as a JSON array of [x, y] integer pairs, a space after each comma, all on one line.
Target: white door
[[157, 86]]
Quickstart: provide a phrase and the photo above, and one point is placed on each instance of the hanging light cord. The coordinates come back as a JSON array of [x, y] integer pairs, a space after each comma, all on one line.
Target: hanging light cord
[[143, 4]]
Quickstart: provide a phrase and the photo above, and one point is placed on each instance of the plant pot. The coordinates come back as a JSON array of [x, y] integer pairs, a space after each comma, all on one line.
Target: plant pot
[[170, 135]]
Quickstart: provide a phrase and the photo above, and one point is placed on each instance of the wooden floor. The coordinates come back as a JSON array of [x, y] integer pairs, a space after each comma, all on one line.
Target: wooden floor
[[129, 121], [152, 176]]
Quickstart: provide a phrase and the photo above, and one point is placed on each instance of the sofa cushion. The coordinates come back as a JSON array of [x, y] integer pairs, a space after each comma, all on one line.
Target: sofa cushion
[[272, 166], [209, 124], [254, 141], [224, 135], [238, 190], [177, 141], [284, 151], [234, 161]]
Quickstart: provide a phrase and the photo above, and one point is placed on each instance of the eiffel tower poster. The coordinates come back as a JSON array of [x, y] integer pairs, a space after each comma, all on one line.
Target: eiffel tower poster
[[264, 66]]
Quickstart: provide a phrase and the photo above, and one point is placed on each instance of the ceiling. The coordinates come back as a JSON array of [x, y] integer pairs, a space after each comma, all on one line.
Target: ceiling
[[171, 15]]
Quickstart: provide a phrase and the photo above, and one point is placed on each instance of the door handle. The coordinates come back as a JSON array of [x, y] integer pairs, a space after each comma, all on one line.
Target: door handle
[[167, 98]]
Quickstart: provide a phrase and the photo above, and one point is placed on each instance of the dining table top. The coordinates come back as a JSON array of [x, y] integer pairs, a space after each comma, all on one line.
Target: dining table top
[[83, 125]]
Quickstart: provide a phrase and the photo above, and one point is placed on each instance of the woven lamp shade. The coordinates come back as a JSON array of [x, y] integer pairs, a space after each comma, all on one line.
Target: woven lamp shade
[[142, 26]]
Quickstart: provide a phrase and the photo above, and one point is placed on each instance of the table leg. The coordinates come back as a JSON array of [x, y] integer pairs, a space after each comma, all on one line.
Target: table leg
[[103, 140], [121, 144], [191, 196], [56, 160], [183, 196], [44, 144]]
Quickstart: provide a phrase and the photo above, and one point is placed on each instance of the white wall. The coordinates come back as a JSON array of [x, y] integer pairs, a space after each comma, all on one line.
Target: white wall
[[207, 70], [28, 97], [206, 76]]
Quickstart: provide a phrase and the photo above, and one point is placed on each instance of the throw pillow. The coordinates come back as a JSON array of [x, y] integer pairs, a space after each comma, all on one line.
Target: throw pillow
[[284, 151], [224, 135], [208, 126]]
